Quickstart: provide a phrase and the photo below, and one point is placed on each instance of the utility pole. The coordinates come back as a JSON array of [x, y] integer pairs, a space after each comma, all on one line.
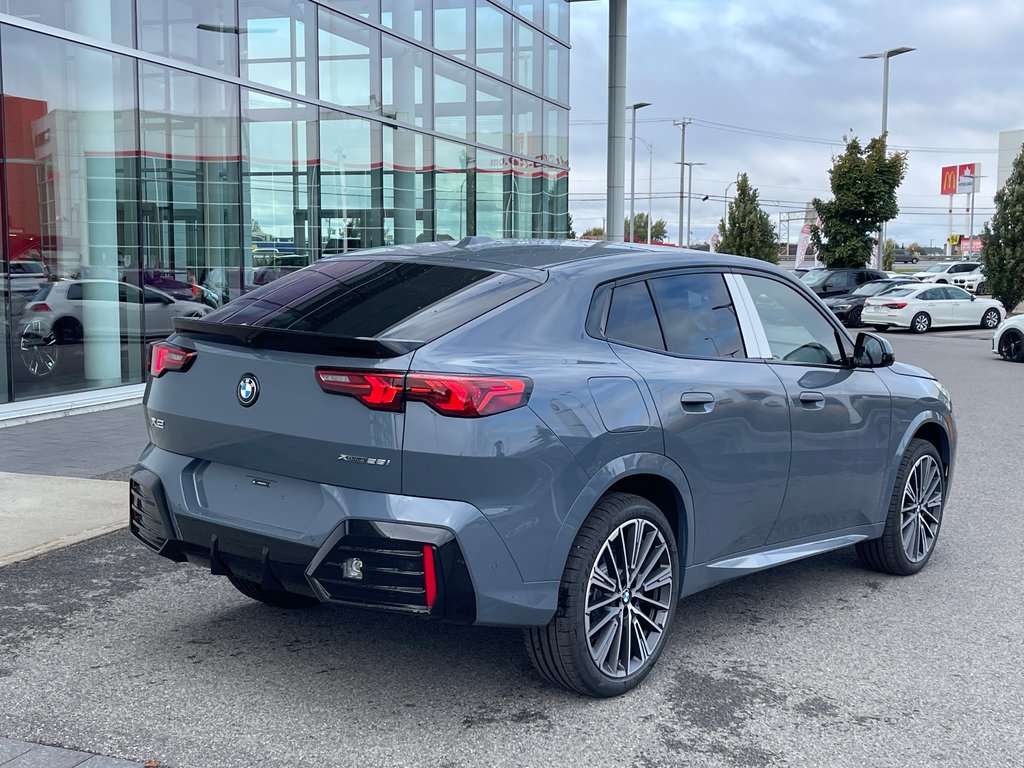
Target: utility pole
[[689, 205], [632, 172], [682, 170]]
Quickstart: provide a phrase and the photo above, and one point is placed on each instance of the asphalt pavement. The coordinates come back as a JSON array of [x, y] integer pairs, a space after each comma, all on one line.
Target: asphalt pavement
[[108, 649]]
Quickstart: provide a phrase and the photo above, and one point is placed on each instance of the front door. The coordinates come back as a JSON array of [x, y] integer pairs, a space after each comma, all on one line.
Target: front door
[[723, 415], [841, 417]]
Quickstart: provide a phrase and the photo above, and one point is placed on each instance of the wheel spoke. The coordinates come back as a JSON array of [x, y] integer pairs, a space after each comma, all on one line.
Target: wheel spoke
[[661, 579], [595, 628], [653, 559], [656, 603], [655, 627], [606, 601], [627, 620], [604, 645], [603, 581]]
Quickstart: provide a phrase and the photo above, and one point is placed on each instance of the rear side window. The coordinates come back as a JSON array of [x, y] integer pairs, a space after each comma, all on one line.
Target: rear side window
[[371, 299], [697, 316], [631, 318]]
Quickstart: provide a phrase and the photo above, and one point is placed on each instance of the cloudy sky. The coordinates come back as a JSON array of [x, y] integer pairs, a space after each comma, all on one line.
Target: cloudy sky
[[772, 87]]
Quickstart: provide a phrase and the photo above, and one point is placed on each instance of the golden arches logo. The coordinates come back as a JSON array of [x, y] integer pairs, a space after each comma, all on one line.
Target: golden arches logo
[[949, 180]]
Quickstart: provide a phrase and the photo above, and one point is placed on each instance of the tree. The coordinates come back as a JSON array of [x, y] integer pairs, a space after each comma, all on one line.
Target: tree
[[572, 234], [749, 231], [1002, 243], [594, 233], [864, 183], [640, 229]]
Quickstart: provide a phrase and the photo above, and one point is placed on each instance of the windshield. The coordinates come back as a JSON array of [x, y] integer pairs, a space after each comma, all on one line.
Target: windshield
[[814, 277], [938, 268], [26, 268]]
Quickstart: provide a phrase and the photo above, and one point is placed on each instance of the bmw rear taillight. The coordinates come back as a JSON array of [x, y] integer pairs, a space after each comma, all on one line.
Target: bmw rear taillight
[[458, 395], [165, 358], [895, 305]]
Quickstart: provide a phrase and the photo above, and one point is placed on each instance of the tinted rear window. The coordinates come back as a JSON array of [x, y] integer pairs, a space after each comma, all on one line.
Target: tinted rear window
[[374, 299]]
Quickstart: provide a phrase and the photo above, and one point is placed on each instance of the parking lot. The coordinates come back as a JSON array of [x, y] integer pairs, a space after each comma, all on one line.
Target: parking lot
[[106, 648]]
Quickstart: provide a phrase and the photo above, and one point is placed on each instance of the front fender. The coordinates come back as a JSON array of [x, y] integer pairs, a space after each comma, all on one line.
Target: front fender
[[611, 473], [943, 419]]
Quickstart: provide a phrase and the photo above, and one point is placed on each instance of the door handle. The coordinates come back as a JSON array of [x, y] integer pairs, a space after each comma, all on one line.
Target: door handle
[[812, 400], [697, 402]]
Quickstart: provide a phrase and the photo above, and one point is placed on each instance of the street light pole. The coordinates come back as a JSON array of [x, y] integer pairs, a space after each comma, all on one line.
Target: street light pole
[[885, 56], [725, 205], [682, 169], [689, 205], [632, 171]]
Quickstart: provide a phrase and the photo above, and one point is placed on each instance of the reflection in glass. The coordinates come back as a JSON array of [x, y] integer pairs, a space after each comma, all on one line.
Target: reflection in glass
[[107, 20], [527, 199], [556, 134], [280, 184], [493, 108], [408, 187], [529, 9], [364, 9], [351, 198], [556, 71], [493, 39], [453, 99], [276, 38], [406, 83], [493, 175], [453, 27], [527, 138], [201, 32], [70, 165], [453, 189], [407, 17], [190, 183], [556, 18], [349, 51], [556, 203], [527, 57]]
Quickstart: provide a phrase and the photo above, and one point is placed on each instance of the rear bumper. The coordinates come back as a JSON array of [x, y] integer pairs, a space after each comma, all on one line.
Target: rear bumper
[[355, 547]]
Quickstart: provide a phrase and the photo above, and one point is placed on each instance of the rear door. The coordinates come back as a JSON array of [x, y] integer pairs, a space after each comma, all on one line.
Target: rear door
[[961, 307], [840, 415], [723, 414], [935, 301]]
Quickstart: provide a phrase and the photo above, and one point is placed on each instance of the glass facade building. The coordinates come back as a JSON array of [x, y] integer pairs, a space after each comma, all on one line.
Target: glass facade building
[[161, 157]]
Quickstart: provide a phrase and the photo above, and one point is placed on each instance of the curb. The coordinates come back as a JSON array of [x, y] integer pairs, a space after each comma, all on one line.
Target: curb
[[61, 543]]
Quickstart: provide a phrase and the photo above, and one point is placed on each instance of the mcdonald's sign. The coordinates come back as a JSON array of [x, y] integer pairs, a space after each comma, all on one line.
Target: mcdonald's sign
[[949, 180]]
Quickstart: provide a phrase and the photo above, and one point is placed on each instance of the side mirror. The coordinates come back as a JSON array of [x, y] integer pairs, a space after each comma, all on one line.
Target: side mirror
[[973, 297], [872, 351]]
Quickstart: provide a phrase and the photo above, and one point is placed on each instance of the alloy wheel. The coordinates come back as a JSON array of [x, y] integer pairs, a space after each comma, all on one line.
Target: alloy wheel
[[629, 598], [991, 319], [39, 349], [1011, 346], [922, 323], [921, 509]]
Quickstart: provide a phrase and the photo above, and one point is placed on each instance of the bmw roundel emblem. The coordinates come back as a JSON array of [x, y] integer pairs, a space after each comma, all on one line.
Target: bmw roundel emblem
[[248, 389]]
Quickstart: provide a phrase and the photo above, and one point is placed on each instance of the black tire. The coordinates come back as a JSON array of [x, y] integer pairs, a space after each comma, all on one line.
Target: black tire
[[914, 260], [982, 289], [1011, 346], [921, 323], [560, 650], [990, 319], [275, 598], [853, 319], [880, 327], [887, 554]]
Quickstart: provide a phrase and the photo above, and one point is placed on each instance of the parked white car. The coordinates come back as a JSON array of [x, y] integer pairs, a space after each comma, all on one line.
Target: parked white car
[[1008, 340], [973, 282], [945, 271], [927, 306]]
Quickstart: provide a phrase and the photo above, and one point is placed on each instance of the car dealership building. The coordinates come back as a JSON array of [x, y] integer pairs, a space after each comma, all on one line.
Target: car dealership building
[[163, 156]]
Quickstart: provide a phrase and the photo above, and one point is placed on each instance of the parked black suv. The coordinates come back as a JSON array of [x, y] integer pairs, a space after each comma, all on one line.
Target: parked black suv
[[835, 282]]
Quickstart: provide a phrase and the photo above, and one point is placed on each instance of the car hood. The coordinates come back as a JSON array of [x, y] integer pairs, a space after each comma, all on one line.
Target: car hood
[[905, 369]]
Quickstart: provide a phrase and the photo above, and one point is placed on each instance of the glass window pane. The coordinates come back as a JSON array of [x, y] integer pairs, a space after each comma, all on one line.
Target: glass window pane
[[364, 9], [71, 175], [453, 98], [108, 20], [351, 197], [201, 32], [556, 71], [278, 39], [556, 203], [349, 52], [530, 9], [452, 180], [697, 316], [527, 199], [796, 331], [527, 130], [527, 57], [407, 83], [556, 134], [191, 207], [493, 178], [556, 18], [493, 39], [279, 177], [493, 108], [407, 17], [408, 187], [453, 27], [631, 318]]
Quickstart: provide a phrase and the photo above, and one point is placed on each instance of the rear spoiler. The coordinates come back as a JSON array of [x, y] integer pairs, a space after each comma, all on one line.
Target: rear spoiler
[[285, 340]]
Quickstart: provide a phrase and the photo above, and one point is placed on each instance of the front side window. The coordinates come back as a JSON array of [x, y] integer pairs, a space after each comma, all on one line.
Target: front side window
[[933, 294], [631, 318], [796, 331], [697, 316]]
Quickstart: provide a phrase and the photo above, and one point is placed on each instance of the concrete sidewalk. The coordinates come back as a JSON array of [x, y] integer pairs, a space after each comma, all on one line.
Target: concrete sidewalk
[[64, 480]]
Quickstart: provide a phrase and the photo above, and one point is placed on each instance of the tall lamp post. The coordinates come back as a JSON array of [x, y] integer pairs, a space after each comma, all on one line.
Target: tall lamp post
[[650, 194], [885, 56], [725, 204], [632, 170], [689, 203]]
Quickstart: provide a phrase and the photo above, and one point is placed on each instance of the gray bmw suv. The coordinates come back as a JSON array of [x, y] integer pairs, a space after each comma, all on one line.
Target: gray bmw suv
[[563, 436]]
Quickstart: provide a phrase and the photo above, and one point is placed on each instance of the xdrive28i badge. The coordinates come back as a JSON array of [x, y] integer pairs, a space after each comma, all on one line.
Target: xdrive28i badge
[[248, 389]]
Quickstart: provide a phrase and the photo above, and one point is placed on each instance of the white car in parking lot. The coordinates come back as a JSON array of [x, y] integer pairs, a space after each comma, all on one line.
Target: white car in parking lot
[[1008, 340], [946, 271], [974, 281], [927, 306]]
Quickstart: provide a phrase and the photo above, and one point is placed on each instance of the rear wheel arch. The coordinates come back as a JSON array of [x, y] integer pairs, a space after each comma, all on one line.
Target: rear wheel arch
[[661, 493]]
